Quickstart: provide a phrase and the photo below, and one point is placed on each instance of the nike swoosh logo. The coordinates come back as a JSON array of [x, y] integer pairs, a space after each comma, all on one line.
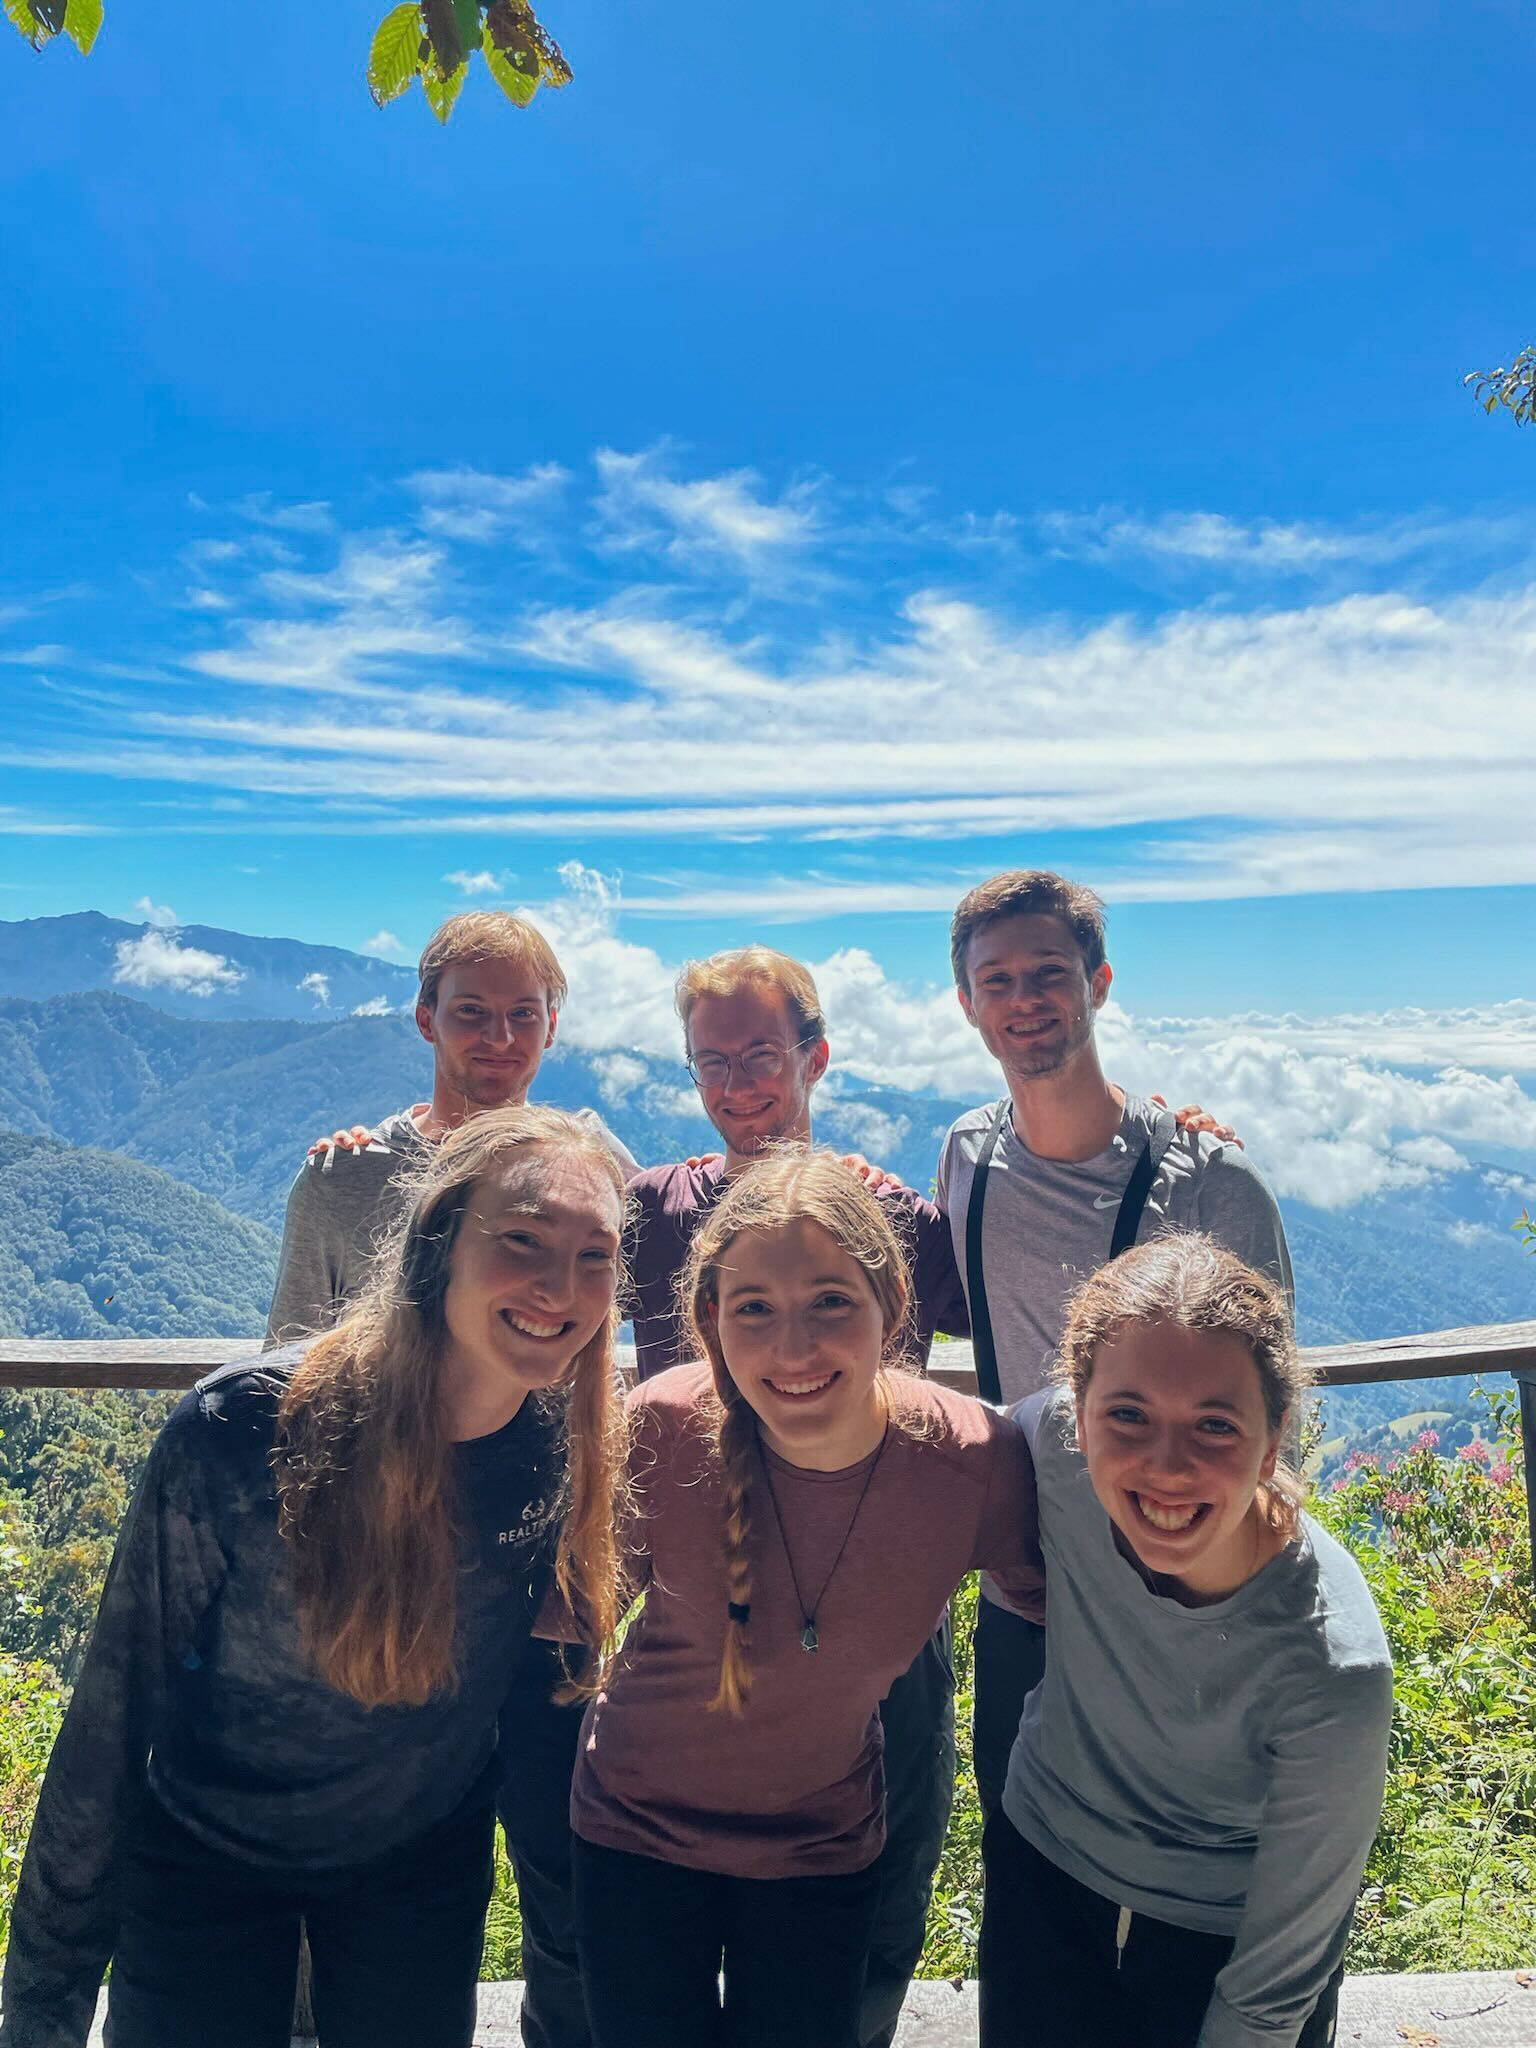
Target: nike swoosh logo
[[1106, 1201]]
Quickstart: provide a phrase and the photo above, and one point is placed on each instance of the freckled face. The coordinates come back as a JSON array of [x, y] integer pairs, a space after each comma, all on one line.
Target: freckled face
[[1174, 1430], [802, 1335], [532, 1274]]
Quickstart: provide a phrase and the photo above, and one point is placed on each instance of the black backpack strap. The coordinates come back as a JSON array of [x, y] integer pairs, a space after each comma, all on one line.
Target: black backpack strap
[[985, 1352], [1139, 1186]]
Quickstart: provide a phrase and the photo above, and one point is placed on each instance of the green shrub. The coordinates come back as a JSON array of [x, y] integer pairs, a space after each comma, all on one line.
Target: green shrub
[[31, 1708], [1445, 1545]]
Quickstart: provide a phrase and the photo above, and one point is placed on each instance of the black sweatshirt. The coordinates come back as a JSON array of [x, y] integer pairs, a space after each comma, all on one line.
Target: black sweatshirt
[[195, 1691]]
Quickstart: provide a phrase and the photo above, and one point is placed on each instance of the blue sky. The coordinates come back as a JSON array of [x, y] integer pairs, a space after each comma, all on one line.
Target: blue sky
[[808, 464]]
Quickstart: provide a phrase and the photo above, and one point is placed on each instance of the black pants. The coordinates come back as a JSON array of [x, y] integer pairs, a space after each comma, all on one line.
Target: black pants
[[208, 1947], [538, 1754], [1053, 1976], [1009, 1654], [654, 1939], [918, 1715]]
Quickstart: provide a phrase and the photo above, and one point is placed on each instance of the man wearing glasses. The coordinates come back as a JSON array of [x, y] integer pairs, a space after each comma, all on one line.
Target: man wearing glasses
[[756, 1047]]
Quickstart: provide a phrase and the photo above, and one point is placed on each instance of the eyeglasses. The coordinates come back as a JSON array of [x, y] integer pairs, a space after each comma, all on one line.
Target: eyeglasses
[[757, 1063]]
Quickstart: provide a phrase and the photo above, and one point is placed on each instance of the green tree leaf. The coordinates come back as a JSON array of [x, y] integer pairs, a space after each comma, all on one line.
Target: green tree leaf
[[26, 23], [467, 15], [394, 58], [441, 88], [82, 23], [516, 83], [442, 25], [518, 34]]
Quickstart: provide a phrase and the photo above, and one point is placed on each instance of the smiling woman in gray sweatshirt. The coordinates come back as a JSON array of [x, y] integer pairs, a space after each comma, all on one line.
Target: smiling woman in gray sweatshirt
[[1197, 1781]]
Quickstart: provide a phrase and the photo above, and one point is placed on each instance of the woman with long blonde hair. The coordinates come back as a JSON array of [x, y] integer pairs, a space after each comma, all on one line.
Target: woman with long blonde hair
[[1196, 1782], [804, 1509], [314, 1620]]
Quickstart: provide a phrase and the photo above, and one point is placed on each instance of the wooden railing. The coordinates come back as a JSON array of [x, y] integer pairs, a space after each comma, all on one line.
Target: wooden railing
[[169, 1362]]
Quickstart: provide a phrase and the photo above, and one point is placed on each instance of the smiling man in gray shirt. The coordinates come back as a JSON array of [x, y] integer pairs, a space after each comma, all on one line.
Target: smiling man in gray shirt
[[1073, 1170]]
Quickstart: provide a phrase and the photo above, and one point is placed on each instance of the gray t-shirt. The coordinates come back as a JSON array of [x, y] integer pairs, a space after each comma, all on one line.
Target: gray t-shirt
[[1049, 1223], [1218, 1767], [337, 1216]]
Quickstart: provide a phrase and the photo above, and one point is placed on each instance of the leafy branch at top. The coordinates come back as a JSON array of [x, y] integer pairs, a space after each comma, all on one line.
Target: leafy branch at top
[[433, 40], [1512, 386], [41, 20]]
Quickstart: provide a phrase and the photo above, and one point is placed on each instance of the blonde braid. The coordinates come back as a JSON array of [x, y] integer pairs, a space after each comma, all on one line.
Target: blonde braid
[[738, 1458]]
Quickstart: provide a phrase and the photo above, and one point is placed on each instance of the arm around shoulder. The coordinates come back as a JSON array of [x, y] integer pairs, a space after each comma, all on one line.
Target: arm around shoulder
[[1008, 1538]]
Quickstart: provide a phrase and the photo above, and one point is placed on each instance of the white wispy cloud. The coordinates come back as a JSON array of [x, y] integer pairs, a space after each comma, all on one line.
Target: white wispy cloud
[[1259, 546], [384, 946], [1374, 739], [478, 882], [160, 915], [318, 985], [159, 960], [641, 505], [376, 1006], [475, 505], [312, 515], [25, 825]]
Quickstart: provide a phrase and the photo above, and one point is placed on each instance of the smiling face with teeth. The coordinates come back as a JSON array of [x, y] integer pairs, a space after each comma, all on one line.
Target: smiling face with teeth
[[802, 1335], [749, 1110], [1029, 993], [530, 1281], [1173, 1426]]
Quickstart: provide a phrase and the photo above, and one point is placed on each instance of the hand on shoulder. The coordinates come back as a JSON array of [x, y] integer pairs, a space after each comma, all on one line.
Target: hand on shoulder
[[1201, 1121]]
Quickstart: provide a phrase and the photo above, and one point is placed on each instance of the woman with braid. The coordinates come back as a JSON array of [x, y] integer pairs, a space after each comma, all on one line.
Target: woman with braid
[[319, 1609], [803, 1511]]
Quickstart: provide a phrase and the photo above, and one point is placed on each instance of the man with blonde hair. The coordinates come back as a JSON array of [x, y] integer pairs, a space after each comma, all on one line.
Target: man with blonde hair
[[755, 1041], [1048, 1184], [488, 1004], [490, 995]]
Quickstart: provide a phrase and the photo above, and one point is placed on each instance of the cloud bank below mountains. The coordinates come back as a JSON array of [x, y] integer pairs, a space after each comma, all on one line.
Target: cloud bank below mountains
[[1326, 1106]]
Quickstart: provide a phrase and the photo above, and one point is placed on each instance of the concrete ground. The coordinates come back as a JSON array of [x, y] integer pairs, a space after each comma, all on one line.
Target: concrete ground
[[1492, 2010]]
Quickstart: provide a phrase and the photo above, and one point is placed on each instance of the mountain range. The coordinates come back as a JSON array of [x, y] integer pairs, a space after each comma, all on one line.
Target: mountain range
[[222, 1103], [195, 970]]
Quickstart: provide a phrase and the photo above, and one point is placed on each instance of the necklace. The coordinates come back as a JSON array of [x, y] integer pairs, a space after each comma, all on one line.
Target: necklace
[[809, 1639]]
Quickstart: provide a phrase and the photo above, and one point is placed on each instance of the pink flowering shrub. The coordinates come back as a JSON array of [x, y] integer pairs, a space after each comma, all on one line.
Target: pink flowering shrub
[[1445, 1545]]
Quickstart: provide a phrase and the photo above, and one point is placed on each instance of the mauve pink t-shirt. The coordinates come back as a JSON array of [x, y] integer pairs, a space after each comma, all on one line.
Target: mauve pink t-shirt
[[793, 1786]]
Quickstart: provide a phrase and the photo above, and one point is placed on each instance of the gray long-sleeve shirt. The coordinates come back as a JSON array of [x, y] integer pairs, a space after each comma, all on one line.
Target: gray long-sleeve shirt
[[1218, 1767], [338, 1213], [195, 1690]]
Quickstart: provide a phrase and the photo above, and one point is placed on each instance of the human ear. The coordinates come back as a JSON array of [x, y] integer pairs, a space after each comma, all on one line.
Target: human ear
[[424, 1022], [1099, 982], [1272, 1455], [963, 998], [816, 1065], [549, 1036]]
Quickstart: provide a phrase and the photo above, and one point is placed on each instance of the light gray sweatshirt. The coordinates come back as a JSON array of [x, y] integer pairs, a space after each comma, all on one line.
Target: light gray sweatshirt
[[1219, 1767]]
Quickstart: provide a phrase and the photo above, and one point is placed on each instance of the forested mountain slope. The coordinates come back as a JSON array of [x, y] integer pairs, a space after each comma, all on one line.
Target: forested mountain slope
[[95, 1245]]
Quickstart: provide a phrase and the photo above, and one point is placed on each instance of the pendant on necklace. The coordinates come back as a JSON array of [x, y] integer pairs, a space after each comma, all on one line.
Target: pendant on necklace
[[808, 1635]]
